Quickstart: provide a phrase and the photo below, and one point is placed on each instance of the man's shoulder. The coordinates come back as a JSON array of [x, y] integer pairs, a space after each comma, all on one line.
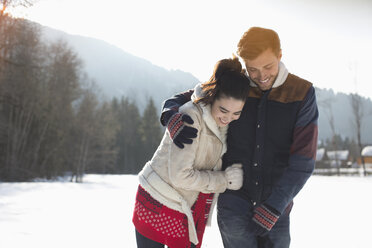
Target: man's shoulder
[[298, 81], [294, 89]]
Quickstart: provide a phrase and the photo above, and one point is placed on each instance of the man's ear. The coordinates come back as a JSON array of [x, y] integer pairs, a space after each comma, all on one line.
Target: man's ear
[[280, 54]]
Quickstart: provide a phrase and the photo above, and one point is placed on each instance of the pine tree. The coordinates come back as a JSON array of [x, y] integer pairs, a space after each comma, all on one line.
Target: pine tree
[[105, 151], [150, 130], [128, 137]]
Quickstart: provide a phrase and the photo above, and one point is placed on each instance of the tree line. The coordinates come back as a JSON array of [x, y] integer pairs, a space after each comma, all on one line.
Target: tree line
[[336, 142], [53, 120]]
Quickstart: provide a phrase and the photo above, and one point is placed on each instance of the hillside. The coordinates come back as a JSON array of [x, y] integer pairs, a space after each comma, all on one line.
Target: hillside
[[119, 73]]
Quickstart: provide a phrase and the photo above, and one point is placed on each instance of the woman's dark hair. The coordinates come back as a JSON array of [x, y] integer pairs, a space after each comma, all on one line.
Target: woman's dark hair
[[228, 80]]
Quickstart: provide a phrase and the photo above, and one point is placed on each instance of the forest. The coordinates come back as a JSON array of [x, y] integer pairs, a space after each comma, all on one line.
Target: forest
[[53, 121]]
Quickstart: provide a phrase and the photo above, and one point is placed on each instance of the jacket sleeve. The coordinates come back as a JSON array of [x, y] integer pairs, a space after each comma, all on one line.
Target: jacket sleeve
[[173, 104], [302, 155], [182, 173]]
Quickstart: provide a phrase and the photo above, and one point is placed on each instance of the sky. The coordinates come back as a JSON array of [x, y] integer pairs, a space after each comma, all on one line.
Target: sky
[[327, 42], [328, 212]]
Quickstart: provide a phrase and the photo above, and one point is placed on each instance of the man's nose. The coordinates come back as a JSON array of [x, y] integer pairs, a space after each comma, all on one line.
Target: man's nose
[[259, 74]]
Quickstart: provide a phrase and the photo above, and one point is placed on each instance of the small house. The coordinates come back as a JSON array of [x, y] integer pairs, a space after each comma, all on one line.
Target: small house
[[339, 159], [321, 159], [367, 155]]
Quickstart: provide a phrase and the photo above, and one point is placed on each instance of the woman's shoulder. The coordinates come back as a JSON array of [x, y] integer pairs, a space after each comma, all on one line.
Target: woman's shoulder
[[192, 109]]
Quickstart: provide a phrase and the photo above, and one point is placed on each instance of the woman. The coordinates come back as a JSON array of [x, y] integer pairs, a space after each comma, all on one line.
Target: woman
[[179, 187]]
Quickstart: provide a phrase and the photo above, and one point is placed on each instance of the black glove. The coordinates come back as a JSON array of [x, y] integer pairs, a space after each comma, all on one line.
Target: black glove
[[264, 218], [179, 132]]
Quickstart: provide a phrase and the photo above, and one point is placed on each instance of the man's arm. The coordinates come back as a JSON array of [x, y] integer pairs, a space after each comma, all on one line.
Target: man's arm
[[172, 105], [174, 121], [302, 155], [301, 166]]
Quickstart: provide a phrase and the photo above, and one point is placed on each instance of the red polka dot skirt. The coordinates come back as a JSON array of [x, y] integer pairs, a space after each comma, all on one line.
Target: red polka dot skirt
[[167, 226]]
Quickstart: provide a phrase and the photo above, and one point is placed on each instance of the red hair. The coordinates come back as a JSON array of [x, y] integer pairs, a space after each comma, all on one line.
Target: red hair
[[257, 40]]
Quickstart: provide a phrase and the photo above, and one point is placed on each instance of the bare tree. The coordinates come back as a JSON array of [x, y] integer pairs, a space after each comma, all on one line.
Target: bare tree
[[85, 126], [19, 95], [5, 4], [62, 89], [358, 113], [327, 104], [38, 87]]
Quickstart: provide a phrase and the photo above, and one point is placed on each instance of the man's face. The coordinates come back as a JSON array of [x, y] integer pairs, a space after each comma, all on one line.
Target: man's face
[[264, 69]]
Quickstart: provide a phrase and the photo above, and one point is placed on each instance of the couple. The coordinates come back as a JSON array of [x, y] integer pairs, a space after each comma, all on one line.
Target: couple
[[253, 169]]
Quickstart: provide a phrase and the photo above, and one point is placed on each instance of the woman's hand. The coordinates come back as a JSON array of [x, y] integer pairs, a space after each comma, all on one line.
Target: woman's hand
[[234, 176]]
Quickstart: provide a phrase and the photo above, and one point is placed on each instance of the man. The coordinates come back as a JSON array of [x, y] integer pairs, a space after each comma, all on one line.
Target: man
[[275, 140]]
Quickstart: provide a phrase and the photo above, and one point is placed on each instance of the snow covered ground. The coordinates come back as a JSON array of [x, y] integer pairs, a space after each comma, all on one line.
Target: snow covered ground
[[328, 212]]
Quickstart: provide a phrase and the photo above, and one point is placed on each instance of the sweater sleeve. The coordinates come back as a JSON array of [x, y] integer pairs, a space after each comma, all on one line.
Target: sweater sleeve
[[302, 155], [173, 104]]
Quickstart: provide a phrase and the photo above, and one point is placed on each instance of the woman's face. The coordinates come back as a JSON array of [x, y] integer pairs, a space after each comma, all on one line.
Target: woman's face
[[226, 110]]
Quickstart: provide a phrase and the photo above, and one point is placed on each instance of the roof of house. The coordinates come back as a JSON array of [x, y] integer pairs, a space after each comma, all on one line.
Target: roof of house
[[341, 155], [367, 151], [320, 154]]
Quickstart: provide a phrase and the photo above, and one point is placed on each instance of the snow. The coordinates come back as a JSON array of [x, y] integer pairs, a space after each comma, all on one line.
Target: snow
[[320, 154], [341, 155], [328, 212], [367, 151]]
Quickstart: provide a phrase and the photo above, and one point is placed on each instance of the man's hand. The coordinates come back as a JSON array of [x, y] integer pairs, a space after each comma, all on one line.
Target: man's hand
[[263, 220], [179, 132]]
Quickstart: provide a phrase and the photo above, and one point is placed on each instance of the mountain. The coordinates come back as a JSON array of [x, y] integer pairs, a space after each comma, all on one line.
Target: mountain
[[119, 73]]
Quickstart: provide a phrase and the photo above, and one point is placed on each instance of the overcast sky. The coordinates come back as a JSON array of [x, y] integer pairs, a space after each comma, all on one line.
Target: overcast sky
[[327, 42]]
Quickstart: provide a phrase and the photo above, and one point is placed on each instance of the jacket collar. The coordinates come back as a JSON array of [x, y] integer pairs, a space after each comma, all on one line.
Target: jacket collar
[[220, 132]]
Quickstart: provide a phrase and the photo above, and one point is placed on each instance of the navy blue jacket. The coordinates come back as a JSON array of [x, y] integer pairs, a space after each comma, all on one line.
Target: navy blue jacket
[[275, 139]]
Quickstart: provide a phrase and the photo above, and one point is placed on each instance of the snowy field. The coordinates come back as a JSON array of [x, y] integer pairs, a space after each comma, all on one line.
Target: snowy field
[[328, 212]]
